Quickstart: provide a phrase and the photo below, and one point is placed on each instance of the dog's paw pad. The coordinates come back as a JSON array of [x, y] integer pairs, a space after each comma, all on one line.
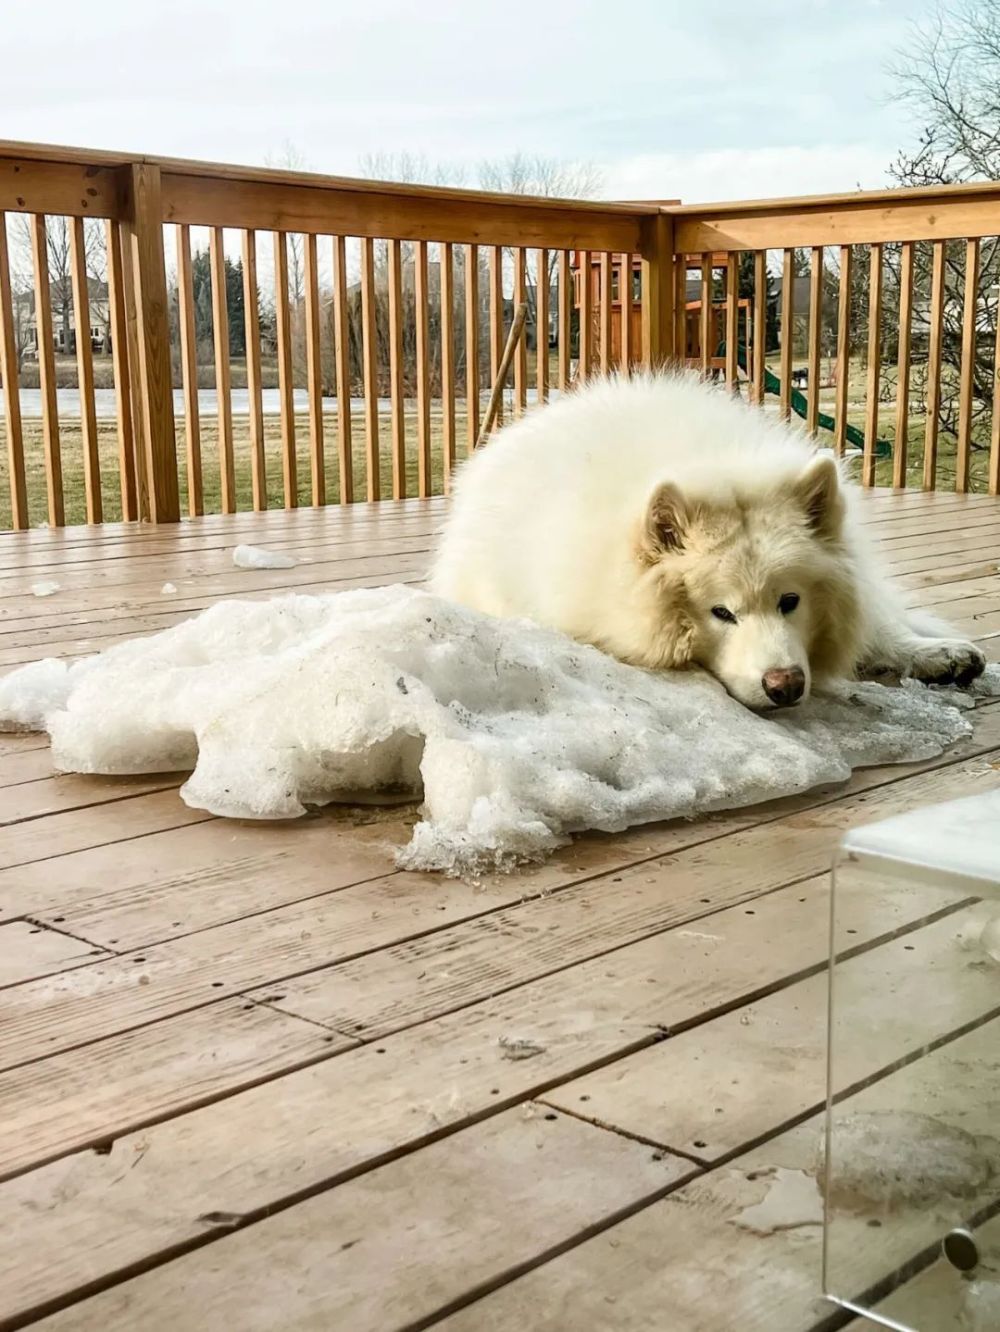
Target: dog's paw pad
[[948, 661]]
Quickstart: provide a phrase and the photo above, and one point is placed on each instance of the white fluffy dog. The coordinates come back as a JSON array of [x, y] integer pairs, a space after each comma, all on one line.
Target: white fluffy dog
[[672, 525]]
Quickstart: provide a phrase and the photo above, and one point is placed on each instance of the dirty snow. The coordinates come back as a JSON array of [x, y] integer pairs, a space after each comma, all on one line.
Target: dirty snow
[[255, 557], [45, 588], [902, 1158], [514, 735]]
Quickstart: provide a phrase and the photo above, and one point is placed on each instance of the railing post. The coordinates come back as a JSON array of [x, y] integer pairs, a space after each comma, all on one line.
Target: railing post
[[149, 345], [658, 290]]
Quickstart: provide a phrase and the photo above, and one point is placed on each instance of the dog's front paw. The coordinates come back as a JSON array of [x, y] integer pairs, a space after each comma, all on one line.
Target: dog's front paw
[[944, 661]]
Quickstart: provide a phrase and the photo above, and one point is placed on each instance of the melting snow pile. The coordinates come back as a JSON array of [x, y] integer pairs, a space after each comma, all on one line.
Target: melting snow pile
[[514, 735]]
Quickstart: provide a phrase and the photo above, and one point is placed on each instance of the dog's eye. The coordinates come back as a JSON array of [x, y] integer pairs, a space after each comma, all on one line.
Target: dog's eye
[[721, 613], [788, 603]]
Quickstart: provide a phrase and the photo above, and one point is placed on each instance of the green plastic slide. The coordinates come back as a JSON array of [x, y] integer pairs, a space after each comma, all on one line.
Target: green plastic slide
[[772, 384]]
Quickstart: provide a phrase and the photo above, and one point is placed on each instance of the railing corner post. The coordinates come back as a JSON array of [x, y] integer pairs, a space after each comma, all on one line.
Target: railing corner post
[[149, 345], [658, 290]]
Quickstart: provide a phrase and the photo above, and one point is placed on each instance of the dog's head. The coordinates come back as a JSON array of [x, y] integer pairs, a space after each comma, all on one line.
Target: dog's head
[[757, 588]]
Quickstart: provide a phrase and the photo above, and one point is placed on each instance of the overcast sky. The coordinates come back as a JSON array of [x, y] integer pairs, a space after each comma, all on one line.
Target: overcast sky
[[736, 98]]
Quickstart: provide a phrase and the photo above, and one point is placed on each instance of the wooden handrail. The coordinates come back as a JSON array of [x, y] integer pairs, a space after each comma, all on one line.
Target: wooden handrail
[[360, 325], [924, 214]]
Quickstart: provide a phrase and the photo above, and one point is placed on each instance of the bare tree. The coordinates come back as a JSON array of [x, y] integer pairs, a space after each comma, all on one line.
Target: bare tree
[[289, 158], [948, 72], [546, 177], [410, 169], [519, 173]]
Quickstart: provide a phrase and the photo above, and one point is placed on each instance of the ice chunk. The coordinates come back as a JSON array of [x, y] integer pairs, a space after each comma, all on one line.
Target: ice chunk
[[900, 1157], [514, 736], [45, 587], [167, 588], [255, 557], [989, 939]]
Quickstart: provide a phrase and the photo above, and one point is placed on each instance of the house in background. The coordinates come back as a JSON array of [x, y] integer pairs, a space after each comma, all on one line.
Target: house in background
[[64, 318]]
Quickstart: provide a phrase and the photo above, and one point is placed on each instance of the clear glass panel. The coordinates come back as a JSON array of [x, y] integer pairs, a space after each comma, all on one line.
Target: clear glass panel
[[912, 1185]]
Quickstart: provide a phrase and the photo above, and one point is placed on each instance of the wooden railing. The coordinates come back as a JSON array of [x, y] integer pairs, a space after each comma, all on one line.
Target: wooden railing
[[349, 331], [907, 306]]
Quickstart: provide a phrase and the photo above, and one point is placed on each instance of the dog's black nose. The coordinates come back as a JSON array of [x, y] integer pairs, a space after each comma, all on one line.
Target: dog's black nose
[[784, 687]]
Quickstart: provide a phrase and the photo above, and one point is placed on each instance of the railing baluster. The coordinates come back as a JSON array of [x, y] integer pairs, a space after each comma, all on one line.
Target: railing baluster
[[542, 326], [585, 359], [286, 391], [85, 372], [732, 321], [369, 357], [342, 336], [625, 306], [421, 291], [396, 370], [659, 274], [565, 319], [11, 391], [606, 312], [314, 374], [874, 365], [496, 321], [993, 478], [471, 347], [47, 372], [147, 300], [787, 331], [934, 367], [899, 448], [223, 382], [446, 262], [759, 322], [843, 351], [189, 370], [963, 450], [521, 353], [680, 309], [251, 324], [706, 313], [135, 347], [815, 326]]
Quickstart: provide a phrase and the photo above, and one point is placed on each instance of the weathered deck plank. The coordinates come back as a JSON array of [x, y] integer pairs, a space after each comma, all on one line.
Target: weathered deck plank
[[230, 1095]]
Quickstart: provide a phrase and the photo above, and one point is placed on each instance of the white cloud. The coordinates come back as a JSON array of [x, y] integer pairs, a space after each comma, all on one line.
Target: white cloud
[[748, 173]]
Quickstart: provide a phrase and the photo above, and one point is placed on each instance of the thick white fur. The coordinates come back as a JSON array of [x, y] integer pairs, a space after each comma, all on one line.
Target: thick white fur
[[623, 513]]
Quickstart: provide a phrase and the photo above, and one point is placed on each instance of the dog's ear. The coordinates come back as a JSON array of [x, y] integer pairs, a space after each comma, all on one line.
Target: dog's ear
[[667, 517], [818, 492]]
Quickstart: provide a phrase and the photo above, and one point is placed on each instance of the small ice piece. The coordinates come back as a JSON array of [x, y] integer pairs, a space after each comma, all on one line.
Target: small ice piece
[[516, 1048], [168, 588], [254, 557], [45, 588], [989, 940]]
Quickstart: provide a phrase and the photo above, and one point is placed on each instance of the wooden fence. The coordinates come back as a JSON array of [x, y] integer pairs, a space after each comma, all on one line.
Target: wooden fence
[[386, 311]]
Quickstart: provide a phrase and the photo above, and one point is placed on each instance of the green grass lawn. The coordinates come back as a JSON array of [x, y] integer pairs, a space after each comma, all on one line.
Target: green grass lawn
[[72, 456], [71, 449]]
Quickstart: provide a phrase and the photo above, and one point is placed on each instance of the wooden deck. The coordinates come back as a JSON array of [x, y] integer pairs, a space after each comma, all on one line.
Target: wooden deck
[[254, 1078]]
